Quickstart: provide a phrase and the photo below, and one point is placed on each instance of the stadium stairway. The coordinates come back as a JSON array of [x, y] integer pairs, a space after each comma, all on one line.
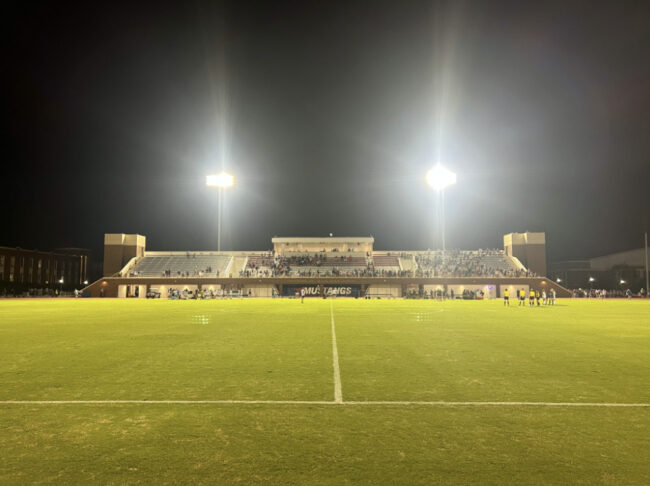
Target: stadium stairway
[[237, 265]]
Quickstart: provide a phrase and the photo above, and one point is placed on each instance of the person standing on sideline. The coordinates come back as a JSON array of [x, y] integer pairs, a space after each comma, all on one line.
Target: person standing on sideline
[[302, 295], [506, 297]]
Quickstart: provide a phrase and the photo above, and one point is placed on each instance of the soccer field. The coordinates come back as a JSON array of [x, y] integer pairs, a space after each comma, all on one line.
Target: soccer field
[[325, 392]]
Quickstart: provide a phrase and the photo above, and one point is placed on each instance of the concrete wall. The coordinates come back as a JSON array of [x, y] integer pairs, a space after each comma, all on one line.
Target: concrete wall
[[389, 286], [259, 290], [384, 290], [328, 244], [529, 249], [513, 290], [119, 248], [489, 290]]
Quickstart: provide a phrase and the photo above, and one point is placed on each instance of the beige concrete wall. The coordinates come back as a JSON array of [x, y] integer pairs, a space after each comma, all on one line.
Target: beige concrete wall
[[121, 291], [384, 290], [489, 290], [328, 244], [110, 285], [529, 249], [119, 248], [513, 290], [259, 290], [429, 288]]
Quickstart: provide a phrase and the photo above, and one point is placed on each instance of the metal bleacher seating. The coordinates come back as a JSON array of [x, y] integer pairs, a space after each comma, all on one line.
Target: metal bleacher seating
[[190, 264], [386, 260]]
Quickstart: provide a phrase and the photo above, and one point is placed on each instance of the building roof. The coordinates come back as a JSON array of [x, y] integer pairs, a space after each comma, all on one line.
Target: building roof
[[323, 239]]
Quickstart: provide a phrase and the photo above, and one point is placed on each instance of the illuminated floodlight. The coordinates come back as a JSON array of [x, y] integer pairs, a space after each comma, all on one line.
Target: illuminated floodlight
[[60, 280], [622, 282], [558, 280], [592, 279], [439, 178], [220, 180], [85, 282]]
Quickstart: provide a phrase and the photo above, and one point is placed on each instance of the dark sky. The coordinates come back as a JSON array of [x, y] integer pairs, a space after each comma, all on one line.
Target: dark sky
[[329, 114]]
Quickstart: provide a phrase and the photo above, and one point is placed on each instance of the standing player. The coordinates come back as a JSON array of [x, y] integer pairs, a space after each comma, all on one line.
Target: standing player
[[531, 298], [506, 297], [544, 300], [552, 296], [522, 297], [302, 295]]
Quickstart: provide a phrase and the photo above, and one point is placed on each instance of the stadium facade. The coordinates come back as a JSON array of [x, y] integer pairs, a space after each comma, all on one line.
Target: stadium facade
[[342, 266]]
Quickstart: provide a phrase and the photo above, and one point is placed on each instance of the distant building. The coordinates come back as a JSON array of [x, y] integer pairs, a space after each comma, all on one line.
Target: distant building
[[42, 269], [606, 271]]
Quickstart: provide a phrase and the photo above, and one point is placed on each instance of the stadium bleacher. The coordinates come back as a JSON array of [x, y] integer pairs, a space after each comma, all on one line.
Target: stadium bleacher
[[467, 263], [452, 263], [188, 264]]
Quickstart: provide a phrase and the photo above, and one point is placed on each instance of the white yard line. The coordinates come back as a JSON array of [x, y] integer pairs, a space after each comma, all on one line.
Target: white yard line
[[321, 402], [165, 402], [497, 404], [338, 393]]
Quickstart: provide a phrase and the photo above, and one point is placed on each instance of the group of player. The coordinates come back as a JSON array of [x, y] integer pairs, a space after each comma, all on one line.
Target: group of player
[[534, 297]]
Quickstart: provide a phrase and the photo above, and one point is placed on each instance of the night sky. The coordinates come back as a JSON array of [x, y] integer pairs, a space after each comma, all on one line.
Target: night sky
[[329, 114]]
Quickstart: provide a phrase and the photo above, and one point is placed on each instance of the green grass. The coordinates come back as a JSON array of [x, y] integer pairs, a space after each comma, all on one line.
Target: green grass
[[578, 351]]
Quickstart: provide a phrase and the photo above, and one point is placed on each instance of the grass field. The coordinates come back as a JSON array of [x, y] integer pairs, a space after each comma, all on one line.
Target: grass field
[[219, 392]]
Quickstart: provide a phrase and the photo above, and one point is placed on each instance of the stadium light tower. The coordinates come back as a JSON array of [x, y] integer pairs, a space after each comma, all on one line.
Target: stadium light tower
[[220, 181], [440, 178]]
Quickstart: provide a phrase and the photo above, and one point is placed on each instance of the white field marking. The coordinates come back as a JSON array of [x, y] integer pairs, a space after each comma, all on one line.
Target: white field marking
[[165, 402], [498, 404], [338, 393], [317, 402]]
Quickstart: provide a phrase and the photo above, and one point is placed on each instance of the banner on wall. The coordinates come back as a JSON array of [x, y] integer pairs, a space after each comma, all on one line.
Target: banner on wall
[[330, 290]]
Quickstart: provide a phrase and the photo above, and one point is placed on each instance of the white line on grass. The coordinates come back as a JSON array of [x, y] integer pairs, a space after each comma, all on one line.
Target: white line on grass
[[317, 402], [338, 393], [498, 404]]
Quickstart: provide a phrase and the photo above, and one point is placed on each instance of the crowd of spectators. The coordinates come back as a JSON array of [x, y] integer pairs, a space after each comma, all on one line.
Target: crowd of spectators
[[462, 263], [194, 273], [606, 294], [451, 263], [317, 265]]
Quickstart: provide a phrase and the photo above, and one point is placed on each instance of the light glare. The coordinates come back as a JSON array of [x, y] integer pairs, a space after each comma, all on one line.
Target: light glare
[[439, 177], [219, 180]]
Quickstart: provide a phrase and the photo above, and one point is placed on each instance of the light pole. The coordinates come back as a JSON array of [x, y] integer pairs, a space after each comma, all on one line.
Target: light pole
[[647, 278], [220, 181], [440, 178]]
